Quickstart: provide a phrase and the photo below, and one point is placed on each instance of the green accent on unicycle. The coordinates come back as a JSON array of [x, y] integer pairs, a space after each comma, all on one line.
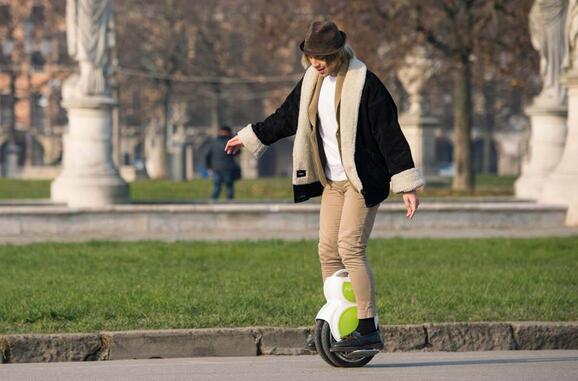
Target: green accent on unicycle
[[348, 321], [348, 292]]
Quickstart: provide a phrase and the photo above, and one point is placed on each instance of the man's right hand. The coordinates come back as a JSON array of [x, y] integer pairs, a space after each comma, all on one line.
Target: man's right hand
[[233, 146]]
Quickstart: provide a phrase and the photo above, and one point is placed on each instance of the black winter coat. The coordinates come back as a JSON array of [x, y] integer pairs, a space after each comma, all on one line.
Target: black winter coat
[[381, 150]]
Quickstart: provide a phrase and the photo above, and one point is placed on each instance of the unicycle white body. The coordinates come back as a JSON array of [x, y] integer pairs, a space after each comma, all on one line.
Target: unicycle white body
[[337, 319]]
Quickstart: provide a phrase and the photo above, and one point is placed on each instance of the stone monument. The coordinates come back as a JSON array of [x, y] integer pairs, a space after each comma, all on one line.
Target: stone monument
[[510, 145], [89, 177], [561, 186], [418, 127], [548, 110], [11, 167], [249, 165], [155, 144]]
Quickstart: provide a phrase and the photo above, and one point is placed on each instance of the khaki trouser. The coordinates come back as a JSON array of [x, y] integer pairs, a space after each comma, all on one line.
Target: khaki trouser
[[345, 224]]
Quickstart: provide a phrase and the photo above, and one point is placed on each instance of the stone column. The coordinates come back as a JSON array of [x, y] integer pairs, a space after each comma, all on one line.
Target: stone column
[[561, 186], [189, 162], [11, 167], [419, 130], [509, 146], [249, 165], [89, 177], [547, 136], [155, 154], [417, 126], [572, 215], [548, 111], [177, 151]]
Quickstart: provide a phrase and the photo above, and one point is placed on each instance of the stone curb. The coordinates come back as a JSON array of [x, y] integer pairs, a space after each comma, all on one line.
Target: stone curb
[[255, 341]]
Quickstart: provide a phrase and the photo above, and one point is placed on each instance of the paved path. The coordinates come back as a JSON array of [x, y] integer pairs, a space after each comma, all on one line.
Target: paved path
[[471, 366]]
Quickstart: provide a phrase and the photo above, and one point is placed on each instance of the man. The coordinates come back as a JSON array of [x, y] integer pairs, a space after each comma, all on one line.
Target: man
[[225, 169], [348, 148]]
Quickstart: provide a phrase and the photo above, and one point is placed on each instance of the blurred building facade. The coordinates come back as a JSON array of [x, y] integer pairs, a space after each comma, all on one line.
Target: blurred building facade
[[33, 60]]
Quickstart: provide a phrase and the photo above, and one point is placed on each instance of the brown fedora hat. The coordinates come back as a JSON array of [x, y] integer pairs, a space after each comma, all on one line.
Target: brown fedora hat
[[322, 39]]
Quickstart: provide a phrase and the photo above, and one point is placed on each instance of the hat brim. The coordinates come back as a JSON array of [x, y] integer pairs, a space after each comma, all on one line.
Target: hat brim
[[323, 53]]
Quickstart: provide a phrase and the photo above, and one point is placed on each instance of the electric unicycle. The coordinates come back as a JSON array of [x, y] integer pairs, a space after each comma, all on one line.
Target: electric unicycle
[[337, 319]]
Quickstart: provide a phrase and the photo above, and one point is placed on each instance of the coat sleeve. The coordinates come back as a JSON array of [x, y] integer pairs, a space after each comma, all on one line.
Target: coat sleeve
[[282, 123], [391, 141]]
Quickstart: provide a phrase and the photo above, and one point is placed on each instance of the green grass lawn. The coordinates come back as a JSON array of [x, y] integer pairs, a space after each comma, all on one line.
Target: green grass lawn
[[24, 189], [258, 189], [200, 189], [154, 285]]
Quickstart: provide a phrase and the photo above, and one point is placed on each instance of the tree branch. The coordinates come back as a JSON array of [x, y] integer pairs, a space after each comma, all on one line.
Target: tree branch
[[429, 35]]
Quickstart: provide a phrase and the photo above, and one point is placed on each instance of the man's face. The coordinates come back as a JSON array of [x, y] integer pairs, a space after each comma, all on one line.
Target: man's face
[[323, 67]]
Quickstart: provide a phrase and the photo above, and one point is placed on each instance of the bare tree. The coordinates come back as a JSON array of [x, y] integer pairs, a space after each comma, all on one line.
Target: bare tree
[[464, 35], [476, 41], [153, 38]]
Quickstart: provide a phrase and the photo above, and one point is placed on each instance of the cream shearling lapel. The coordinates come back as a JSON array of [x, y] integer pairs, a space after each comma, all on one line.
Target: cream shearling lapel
[[350, 101], [313, 106], [339, 86], [303, 162], [314, 102]]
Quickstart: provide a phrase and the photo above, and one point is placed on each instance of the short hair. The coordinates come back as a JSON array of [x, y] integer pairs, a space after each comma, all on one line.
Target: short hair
[[226, 129], [344, 54]]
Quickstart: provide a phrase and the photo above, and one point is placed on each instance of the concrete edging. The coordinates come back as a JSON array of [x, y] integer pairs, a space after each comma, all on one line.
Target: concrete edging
[[254, 341], [30, 223]]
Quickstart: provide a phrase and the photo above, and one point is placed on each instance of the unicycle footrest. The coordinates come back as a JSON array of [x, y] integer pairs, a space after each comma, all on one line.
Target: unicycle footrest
[[360, 353]]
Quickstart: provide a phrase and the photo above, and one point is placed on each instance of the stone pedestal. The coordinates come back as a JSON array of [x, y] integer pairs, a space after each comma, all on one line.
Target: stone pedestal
[[510, 146], [419, 132], [572, 214], [178, 163], [249, 165], [89, 177], [561, 186], [548, 133], [189, 162], [11, 168], [155, 152]]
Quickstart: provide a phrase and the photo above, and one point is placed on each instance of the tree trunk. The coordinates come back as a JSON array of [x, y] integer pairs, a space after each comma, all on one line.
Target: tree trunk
[[489, 90], [11, 157], [463, 177]]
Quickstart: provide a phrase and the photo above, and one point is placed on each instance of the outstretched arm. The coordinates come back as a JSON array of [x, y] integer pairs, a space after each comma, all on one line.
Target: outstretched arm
[[282, 123]]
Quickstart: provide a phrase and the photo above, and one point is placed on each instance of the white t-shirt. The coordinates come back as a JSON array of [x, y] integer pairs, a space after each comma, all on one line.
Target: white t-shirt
[[328, 130]]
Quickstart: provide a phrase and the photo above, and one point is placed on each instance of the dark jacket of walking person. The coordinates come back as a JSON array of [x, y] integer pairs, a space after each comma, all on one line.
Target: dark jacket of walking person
[[225, 169], [349, 149]]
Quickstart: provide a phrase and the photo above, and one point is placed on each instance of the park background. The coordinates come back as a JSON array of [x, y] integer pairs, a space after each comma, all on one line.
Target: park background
[[182, 68]]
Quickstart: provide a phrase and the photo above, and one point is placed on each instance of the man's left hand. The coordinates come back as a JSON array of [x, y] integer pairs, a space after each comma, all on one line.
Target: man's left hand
[[411, 203]]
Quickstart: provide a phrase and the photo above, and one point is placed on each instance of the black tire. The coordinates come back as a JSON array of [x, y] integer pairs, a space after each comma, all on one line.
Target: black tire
[[323, 341]]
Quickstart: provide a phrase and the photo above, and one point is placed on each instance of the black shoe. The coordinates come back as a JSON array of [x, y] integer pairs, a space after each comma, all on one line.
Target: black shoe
[[356, 341], [310, 343]]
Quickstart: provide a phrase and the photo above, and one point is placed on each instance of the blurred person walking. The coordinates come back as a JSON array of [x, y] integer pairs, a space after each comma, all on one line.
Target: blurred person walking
[[348, 148], [224, 167]]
